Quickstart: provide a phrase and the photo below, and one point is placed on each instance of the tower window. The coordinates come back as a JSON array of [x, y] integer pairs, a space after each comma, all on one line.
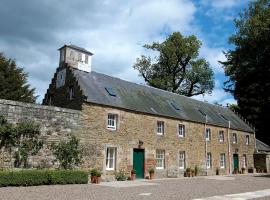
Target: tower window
[[71, 93]]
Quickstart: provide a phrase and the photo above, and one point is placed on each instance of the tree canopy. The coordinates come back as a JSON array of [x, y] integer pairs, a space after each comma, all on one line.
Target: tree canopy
[[248, 66], [13, 82], [176, 68]]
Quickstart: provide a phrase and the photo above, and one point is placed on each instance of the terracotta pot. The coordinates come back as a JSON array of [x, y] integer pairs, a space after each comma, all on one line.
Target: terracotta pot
[[98, 179], [133, 176], [192, 174], [152, 175], [188, 174], [93, 179]]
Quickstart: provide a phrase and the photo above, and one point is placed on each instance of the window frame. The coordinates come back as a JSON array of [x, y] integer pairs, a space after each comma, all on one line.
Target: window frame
[[209, 134], [111, 159], [221, 132], [247, 140], [162, 128], [181, 130], [222, 160], [208, 160], [182, 160], [162, 159], [115, 121], [234, 138]]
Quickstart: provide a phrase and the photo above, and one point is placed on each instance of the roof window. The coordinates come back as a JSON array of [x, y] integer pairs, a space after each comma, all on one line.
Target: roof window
[[111, 91]]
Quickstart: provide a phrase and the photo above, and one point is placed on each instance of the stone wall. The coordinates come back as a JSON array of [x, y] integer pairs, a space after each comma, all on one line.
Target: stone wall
[[134, 126], [56, 124]]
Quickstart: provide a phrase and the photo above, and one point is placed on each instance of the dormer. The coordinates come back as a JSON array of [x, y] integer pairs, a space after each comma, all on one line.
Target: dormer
[[76, 57]]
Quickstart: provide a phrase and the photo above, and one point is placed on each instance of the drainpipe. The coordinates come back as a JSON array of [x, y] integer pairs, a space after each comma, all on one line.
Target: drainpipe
[[229, 146], [205, 145]]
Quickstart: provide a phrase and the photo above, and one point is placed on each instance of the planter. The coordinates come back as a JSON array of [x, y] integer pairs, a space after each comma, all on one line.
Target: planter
[[192, 174], [98, 180], [93, 179], [235, 171], [152, 175], [133, 176], [188, 174]]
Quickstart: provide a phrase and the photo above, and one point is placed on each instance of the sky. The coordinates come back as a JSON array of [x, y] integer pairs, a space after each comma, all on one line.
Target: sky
[[31, 31]]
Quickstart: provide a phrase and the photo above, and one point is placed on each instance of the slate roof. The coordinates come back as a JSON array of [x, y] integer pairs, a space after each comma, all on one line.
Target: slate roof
[[260, 146], [154, 101], [77, 48]]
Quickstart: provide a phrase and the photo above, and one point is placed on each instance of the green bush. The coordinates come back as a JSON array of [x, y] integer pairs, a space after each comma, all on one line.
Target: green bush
[[42, 177]]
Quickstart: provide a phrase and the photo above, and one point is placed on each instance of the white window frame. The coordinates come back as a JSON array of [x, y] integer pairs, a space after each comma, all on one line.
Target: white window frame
[[182, 159], [222, 162], [181, 130], [207, 134], [112, 120], [111, 158], [247, 139], [221, 139], [208, 160], [234, 138], [160, 158], [245, 161], [160, 127]]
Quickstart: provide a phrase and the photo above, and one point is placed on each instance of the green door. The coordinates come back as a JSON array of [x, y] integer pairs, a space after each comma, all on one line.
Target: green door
[[138, 162], [235, 161]]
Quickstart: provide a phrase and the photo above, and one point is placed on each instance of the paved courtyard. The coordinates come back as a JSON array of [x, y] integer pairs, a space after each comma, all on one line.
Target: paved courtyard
[[203, 188]]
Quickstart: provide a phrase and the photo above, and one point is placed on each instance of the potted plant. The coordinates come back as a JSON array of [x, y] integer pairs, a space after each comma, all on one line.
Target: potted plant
[[121, 175], [133, 175], [98, 179], [151, 173], [243, 170], [94, 173], [192, 172], [217, 171], [188, 172], [235, 171]]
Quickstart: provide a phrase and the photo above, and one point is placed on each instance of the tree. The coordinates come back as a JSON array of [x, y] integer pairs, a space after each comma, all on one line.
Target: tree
[[13, 82], [177, 67], [68, 152], [248, 66]]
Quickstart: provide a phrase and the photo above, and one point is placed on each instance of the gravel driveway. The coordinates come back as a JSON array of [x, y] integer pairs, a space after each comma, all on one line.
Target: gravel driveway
[[185, 188]]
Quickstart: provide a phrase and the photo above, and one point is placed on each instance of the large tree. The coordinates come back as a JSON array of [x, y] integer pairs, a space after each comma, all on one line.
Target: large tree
[[248, 66], [176, 67], [13, 82]]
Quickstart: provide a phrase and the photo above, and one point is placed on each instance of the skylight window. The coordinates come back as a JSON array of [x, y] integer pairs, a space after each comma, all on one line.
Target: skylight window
[[223, 117], [202, 113], [111, 91], [174, 105]]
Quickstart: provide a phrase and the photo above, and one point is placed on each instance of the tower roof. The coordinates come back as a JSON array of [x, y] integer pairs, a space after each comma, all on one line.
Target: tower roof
[[72, 46]]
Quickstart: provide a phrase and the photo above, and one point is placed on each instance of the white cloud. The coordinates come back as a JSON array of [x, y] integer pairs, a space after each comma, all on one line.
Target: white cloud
[[213, 55]]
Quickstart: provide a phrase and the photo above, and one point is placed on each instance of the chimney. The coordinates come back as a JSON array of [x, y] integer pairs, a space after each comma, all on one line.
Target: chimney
[[75, 57]]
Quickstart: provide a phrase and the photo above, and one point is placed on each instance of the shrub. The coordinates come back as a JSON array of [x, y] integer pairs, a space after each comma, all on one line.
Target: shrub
[[121, 175], [151, 170], [42, 177]]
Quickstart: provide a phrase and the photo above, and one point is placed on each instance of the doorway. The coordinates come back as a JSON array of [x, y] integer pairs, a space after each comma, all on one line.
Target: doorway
[[138, 162], [235, 161]]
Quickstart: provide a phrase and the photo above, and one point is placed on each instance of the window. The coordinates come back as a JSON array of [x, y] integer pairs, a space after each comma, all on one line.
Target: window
[[110, 158], [234, 138], [112, 121], [175, 106], [181, 130], [222, 161], [182, 160], [160, 128], [208, 161], [71, 93], [208, 134], [110, 91], [247, 139], [221, 136], [245, 161], [160, 159], [86, 59]]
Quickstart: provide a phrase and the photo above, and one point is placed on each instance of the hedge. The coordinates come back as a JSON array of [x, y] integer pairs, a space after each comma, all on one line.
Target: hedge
[[42, 177]]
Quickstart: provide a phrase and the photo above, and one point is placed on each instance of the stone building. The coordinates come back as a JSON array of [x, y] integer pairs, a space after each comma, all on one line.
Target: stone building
[[128, 125], [262, 157]]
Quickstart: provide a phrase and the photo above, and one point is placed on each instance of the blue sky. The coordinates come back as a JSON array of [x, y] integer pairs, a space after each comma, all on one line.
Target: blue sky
[[114, 30]]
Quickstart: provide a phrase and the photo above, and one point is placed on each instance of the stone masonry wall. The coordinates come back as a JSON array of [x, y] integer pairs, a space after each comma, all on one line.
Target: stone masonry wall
[[133, 127], [56, 124]]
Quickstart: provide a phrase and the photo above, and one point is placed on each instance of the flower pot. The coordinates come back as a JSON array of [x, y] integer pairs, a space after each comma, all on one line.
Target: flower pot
[[192, 174], [188, 174], [235, 171], [93, 179], [152, 176], [98, 179], [133, 176]]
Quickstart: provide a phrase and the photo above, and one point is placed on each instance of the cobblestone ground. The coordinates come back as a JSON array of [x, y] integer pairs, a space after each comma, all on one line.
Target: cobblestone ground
[[180, 189]]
